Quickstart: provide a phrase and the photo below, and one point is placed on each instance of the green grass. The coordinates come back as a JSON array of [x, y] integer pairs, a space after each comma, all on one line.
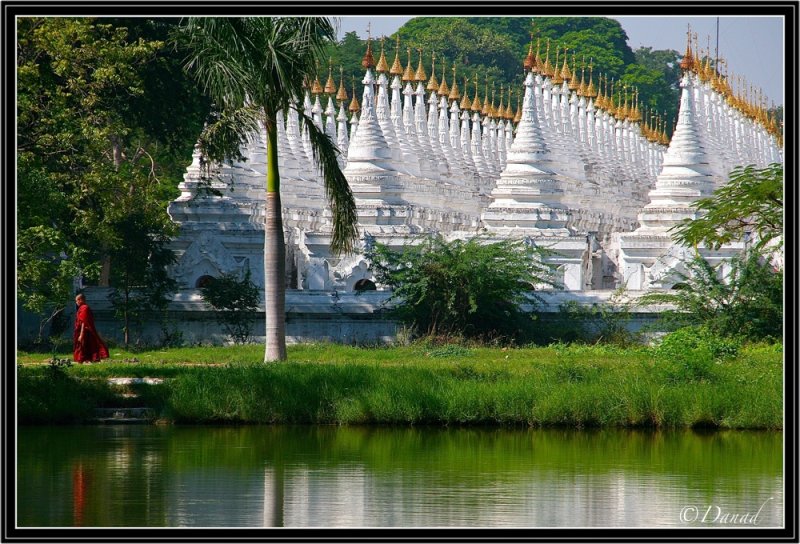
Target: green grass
[[568, 385]]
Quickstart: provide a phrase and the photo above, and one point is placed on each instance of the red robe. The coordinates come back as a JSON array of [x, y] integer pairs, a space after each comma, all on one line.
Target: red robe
[[92, 348]]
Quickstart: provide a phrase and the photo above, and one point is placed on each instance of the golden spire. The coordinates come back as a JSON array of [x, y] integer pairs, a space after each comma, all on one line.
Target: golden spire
[[433, 84], [509, 111], [455, 94], [591, 91], [465, 102], [518, 115], [330, 86], [529, 61], [408, 75], [420, 75], [476, 103], [354, 105], [487, 109], [397, 68], [341, 96], [547, 70], [500, 112], [444, 88], [316, 88], [565, 73], [492, 107], [537, 62], [687, 62], [368, 61], [600, 101], [574, 84], [556, 78], [636, 116], [382, 66]]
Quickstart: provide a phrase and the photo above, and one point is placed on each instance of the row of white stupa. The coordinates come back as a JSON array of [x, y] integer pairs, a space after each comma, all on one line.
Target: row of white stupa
[[569, 176]]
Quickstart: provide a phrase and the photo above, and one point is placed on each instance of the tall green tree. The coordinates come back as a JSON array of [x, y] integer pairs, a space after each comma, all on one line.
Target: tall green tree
[[88, 146], [254, 69]]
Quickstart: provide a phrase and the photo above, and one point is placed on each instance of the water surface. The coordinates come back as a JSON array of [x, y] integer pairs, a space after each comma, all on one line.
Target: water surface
[[326, 476]]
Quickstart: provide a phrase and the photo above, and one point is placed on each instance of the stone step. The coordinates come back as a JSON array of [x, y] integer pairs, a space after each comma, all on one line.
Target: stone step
[[124, 415]]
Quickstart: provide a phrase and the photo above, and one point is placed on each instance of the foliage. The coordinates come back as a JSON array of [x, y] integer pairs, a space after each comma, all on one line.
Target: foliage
[[235, 301], [471, 288], [140, 255], [94, 136], [748, 303], [751, 202], [605, 323], [692, 353]]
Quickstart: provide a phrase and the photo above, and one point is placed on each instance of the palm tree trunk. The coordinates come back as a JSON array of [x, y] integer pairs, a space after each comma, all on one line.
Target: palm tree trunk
[[274, 256]]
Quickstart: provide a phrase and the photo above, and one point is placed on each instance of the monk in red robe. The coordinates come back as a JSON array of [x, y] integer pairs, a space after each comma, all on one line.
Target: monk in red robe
[[87, 346]]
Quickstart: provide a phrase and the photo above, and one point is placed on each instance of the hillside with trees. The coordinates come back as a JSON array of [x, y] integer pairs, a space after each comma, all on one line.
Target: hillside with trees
[[494, 48]]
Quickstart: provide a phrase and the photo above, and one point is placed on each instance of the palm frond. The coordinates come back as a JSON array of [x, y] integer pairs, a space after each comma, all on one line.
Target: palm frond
[[337, 190], [221, 139]]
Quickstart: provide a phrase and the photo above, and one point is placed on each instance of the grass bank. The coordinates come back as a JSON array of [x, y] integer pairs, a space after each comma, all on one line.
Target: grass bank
[[576, 386]]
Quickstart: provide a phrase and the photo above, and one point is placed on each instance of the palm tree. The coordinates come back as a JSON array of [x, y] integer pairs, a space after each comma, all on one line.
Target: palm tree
[[254, 68]]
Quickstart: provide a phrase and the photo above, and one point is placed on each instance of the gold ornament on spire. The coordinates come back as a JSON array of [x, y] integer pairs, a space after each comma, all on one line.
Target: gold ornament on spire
[[420, 75], [591, 91], [444, 88], [500, 112], [354, 105], [465, 102], [556, 76], [565, 73], [518, 114], [341, 96], [537, 62], [368, 61], [433, 84], [509, 111], [316, 88], [382, 66], [330, 86], [476, 103], [547, 69], [529, 61], [408, 75], [687, 62], [455, 94], [397, 68], [487, 108], [574, 84]]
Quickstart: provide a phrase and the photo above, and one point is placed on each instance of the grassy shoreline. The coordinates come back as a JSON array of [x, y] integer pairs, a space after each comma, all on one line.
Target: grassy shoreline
[[574, 386]]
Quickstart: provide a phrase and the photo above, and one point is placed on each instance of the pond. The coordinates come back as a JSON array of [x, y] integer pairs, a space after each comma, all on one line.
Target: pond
[[327, 476]]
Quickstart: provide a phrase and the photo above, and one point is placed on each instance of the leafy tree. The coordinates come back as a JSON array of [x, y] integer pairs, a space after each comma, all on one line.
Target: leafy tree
[[235, 301], [139, 278], [87, 137], [748, 303], [254, 69], [751, 202], [466, 288]]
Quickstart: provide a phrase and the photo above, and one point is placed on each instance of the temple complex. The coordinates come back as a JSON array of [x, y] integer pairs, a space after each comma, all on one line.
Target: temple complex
[[567, 161]]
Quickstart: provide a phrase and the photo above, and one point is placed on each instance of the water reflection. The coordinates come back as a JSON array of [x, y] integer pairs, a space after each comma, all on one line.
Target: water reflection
[[140, 476]]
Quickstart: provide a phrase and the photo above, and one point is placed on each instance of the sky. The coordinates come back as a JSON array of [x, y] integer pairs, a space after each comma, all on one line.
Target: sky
[[752, 46]]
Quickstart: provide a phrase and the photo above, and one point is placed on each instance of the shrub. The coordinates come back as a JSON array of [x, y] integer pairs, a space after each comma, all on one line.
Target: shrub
[[235, 301], [747, 303], [470, 288], [691, 353]]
